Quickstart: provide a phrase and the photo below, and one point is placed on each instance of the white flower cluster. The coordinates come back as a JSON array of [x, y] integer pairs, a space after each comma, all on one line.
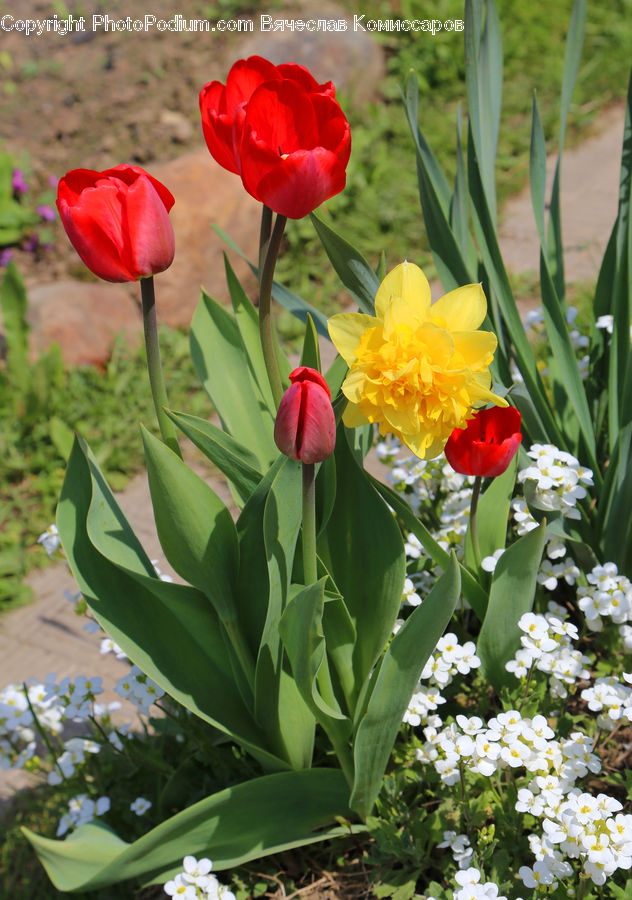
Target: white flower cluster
[[607, 595], [535, 319], [449, 658], [195, 882], [506, 741], [611, 699], [17, 736], [576, 825], [139, 689], [435, 481], [547, 645], [77, 698], [471, 887], [82, 810], [558, 477]]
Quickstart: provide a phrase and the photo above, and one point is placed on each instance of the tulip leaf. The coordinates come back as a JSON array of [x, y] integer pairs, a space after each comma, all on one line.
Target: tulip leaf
[[278, 703], [492, 515], [474, 593], [13, 304], [303, 638], [512, 594], [364, 551], [295, 807], [247, 320], [221, 363], [236, 462], [340, 638], [310, 355], [290, 301], [352, 268], [196, 530], [158, 624], [395, 683]]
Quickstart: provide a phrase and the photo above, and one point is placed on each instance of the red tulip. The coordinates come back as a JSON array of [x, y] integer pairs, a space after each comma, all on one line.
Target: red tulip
[[487, 444], [118, 221], [305, 426], [279, 129]]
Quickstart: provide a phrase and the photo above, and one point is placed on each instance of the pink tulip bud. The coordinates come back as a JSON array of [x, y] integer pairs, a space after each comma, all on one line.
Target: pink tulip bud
[[305, 426]]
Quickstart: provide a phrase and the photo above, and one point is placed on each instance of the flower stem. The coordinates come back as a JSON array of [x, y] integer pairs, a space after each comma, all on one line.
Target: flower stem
[[309, 524], [154, 366], [268, 253], [473, 523]]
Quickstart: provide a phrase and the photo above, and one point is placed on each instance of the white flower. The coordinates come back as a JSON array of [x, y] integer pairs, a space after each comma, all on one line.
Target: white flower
[[140, 806]]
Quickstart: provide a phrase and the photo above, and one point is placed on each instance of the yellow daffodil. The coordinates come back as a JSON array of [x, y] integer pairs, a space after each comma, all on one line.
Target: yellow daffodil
[[416, 368]]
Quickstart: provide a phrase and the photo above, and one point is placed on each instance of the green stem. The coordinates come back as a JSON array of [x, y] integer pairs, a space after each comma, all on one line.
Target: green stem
[[473, 523], [269, 253], [42, 732], [154, 366], [310, 572]]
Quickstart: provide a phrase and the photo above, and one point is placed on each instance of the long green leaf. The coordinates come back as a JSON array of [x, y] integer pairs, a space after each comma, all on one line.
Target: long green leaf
[[363, 549], [221, 363], [236, 462], [279, 706], [196, 530], [13, 304], [352, 268], [158, 624], [511, 595], [254, 819], [396, 680], [291, 301]]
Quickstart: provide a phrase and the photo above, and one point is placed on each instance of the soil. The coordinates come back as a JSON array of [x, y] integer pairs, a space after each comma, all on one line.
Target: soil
[[95, 99]]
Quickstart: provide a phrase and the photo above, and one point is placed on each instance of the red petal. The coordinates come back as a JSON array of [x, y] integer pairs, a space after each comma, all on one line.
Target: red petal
[[318, 424], [306, 373], [129, 174], [286, 425], [149, 229], [303, 76], [300, 183], [94, 229], [245, 77], [217, 125]]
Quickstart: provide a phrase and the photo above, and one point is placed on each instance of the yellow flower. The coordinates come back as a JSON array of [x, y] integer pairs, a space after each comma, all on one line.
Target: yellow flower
[[419, 370]]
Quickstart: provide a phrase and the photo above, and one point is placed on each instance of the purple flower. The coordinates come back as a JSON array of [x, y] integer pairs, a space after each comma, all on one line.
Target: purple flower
[[18, 183], [5, 257], [47, 213], [31, 244], [53, 180]]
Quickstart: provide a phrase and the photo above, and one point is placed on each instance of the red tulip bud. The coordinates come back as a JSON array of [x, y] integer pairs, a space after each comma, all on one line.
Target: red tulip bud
[[305, 426], [488, 443], [118, 221]]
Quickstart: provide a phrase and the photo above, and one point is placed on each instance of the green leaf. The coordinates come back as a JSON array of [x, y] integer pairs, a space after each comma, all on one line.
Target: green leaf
[[310, 355], [511, 595], [158, 624], [196, 530], [395, 683], [236, 462], [364, 551], [434, 194], [492, 515], [247, 320], [352, 268], [292, 302], [279, 707], [221, 363], [226, 827], [537, 170]]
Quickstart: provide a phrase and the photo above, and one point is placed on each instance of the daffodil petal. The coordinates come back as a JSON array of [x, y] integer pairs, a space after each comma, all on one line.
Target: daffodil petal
[[460, 310], [352, 417], [408, 282], [476, 348], [346, 330]]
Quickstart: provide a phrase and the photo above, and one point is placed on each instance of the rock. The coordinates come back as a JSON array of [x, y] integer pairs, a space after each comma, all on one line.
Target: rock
[[205, 194], [176, 125], [353, 60], [84, 318]]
